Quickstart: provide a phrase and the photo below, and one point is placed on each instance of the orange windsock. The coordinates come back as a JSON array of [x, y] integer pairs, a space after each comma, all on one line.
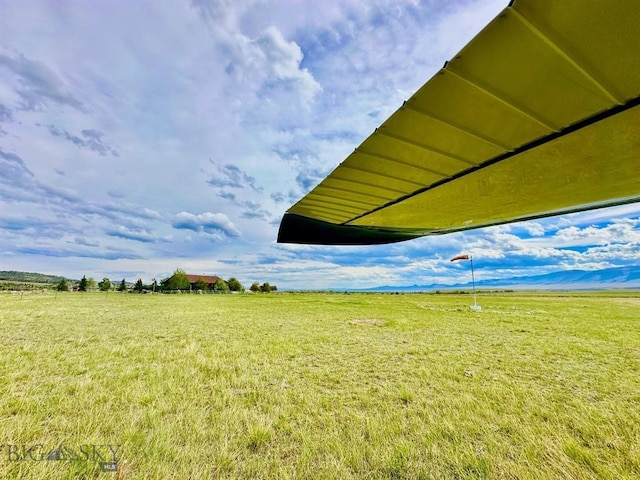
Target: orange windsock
[[460, 257]]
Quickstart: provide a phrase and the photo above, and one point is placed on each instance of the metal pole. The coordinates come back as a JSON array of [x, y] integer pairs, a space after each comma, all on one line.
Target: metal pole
[[475, 305]]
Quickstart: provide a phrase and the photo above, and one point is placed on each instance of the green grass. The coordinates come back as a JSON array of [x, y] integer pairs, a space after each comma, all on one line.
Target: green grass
[[323, 385]]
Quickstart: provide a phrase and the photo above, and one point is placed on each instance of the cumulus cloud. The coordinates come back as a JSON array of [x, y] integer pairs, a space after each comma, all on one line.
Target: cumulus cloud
[[281, 59], [265, 65], [212, 223], [619, 231], [499, 253], [534, 229]]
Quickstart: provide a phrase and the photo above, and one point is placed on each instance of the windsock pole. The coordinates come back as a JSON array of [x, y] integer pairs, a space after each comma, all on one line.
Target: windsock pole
[[475, 305]]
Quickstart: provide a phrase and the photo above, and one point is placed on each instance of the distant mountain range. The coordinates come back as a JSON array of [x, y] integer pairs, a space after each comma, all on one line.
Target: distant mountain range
[[608, 278]]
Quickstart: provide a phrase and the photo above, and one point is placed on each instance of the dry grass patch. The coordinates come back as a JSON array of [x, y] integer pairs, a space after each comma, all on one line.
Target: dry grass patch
[[368, 321]]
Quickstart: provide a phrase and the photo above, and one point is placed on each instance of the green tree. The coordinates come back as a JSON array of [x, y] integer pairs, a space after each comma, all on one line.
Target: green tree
[[91, 284], [63, 285], [83, 284], [265, 287], [255, 287], [177, 281], [123, 286], [154, 285], [220, 286], [138, 287], [104, 285], [235, 285], [201, 284]]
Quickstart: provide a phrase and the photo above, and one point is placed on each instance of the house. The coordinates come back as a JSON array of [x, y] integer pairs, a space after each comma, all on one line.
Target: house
[[209, 279]]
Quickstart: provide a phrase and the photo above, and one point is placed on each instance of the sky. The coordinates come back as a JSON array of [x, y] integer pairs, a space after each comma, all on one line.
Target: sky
[[139, 137]]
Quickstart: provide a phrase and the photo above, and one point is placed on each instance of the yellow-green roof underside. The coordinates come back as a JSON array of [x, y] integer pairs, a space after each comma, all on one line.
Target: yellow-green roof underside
[[538, 115]]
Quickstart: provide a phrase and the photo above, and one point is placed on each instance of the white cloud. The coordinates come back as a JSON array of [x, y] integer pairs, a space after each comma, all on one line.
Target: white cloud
[[534, 229], [208, 223], [279, 61], [623, 230]]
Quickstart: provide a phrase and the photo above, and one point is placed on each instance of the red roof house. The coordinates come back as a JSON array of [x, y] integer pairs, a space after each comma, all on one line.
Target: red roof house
[[209, 279]]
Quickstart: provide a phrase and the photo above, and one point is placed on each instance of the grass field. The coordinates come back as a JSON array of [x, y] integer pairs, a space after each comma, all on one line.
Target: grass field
[[320, 386]]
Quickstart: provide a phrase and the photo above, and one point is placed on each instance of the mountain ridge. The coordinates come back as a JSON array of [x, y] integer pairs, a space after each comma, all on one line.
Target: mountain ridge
[[28, 277], [608, 278]]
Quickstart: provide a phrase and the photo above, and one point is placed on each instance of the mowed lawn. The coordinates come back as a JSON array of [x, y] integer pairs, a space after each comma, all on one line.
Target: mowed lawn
[[320, 386]]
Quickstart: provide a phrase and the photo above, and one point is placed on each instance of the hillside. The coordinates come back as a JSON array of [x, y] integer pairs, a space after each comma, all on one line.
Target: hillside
[[27, 277]]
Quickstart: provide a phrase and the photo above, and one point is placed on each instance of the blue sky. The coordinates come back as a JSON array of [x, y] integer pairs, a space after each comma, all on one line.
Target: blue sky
[[137, 137]]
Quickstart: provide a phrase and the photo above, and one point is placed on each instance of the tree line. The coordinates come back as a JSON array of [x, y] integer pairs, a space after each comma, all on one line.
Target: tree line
[[178, 281]]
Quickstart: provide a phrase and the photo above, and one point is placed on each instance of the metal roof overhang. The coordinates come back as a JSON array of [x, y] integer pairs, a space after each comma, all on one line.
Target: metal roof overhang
[[538, 115]]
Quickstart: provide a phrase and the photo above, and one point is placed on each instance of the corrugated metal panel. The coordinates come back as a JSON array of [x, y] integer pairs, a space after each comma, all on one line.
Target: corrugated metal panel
[[535, 116]]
